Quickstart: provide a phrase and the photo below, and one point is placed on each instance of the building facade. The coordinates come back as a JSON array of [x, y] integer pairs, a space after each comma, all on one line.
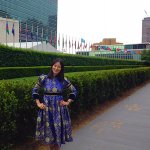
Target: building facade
[[37, 19], [108, 44], [146, 30], [9, 36], [109, 48]]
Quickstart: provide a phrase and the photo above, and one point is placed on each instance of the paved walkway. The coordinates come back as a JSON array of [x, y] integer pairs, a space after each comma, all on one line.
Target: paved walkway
[[125, 126]]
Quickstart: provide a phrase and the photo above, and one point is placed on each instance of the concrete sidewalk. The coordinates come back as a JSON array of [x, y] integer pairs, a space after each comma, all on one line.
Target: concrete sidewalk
[[125, 126]]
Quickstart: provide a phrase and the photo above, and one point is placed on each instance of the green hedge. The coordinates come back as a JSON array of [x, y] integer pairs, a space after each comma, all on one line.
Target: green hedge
[[12, 57], [18, 111], [16, 72], [146, 56]]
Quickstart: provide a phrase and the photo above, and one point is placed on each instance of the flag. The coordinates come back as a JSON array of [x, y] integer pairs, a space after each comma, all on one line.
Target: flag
[[46, 39], [20, 28], [26, 28], [37, 33], [26, 32], [32, 35], [129, 51], [82, 40], [117, 49], [7, 27], [85, 45], [50, 39], [32, 32], [125, 50], [66, 41], [13, 29], [89, 46], [72, 42], [42, 35], [78, 45], [59, 40], [108, 48], [69, 43], [63, 42], [145, 12], [114, 49], [81, 45], [55, 39], [75, 44]]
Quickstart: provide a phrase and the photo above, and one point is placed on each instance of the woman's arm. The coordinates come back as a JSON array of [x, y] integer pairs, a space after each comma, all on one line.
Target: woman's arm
[[72, 94], [35, 91]]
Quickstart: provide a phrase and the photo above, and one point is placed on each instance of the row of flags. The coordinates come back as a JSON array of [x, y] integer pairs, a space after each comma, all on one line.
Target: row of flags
[[7, 28], [74, 44], [117, 49], [62, 41], [103, 47], [34, 36]]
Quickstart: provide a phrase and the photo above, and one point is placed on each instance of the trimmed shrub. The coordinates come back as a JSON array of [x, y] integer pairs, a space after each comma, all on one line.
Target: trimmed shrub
[[18, 110], [16, 72], [12, 57]]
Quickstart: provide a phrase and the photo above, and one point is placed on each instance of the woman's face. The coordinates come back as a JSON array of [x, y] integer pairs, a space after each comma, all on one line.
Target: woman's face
[[56, 68]]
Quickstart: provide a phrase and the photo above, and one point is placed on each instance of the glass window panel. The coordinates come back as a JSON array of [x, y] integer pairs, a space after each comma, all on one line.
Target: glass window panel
[[35, 12]]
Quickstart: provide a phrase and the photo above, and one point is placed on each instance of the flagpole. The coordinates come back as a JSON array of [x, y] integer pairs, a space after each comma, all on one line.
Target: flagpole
[[55, 40], [20, 34], [81, 47], [75, 45], [42, 38], [66, 43], [69, 44], [51, 39], [62, 42], [26, 34], [13, 42], [6, 30], [85, 48], [13, 32], [32, 36], [59, 42], [72, 45], [46, 38], [37, 37]]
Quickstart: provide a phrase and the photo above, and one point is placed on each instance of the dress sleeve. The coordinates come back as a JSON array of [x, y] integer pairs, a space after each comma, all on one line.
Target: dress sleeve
[[38, 85], [71, 88]]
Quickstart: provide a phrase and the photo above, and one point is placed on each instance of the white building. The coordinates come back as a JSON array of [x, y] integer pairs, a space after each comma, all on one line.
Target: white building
[[9, 37]]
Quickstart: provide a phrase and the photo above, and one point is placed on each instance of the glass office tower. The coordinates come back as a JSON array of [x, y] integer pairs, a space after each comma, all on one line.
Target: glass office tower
[[37, 18]]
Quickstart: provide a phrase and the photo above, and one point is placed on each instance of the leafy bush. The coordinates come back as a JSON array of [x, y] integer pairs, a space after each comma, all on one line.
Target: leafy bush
[[12, 57], [16, 72], [18, 110], [146, 56]]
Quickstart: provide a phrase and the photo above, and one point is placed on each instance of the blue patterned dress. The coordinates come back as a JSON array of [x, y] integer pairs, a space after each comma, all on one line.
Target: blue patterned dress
[[53, 123]]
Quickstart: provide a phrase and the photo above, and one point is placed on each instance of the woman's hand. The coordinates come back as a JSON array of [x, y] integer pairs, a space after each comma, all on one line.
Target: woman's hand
[[40, 105], [64, 103]]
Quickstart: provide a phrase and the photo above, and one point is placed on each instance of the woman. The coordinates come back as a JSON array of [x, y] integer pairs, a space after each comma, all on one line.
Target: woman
[[53, 121]]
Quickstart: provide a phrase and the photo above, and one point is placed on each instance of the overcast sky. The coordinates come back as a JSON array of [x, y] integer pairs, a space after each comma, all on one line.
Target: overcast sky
[[94, 20]]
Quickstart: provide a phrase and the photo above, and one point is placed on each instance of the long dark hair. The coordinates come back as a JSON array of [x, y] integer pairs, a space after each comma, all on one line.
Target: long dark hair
[[60, 75]]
